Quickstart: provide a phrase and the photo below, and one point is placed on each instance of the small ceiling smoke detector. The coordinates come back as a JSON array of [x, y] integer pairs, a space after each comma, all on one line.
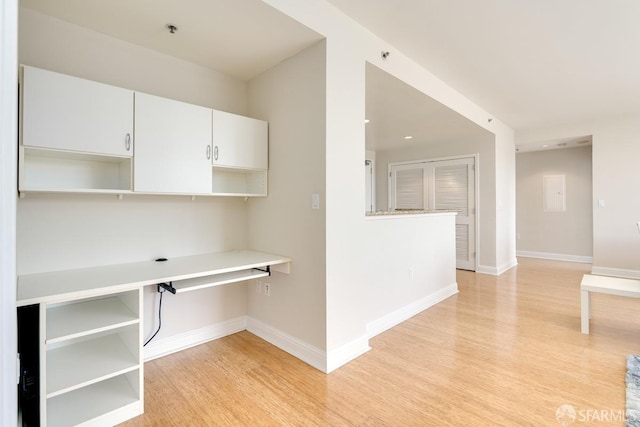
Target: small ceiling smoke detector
[[172, 28]]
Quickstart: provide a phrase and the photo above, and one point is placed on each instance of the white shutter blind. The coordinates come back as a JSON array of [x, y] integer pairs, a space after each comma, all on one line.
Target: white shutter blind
[[462, 242], [410, 188], [451, 188]]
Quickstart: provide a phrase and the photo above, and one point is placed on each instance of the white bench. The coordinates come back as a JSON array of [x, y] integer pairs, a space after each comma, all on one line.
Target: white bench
[[603, 285]]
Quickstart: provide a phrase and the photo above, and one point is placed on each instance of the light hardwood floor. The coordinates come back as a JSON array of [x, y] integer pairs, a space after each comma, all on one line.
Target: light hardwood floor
[[505, 351]]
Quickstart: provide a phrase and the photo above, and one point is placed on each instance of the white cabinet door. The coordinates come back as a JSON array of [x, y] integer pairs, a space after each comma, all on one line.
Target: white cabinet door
[[239, 142], [69, 113], [173, 146]]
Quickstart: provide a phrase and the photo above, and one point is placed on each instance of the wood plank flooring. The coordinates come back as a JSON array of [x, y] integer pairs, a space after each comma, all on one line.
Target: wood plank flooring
[[505, 351]]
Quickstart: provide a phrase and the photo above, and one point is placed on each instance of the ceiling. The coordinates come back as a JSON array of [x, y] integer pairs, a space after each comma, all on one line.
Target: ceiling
[[532, 63], [395, 110], [224, 35]]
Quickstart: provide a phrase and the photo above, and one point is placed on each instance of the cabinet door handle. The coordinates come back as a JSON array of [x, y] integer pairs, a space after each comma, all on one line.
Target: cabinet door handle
[[208, 152], [215, 153], [127, 142]]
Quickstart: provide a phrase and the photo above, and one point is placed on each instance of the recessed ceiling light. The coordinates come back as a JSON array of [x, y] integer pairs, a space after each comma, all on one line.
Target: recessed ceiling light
[[545, 145], [408, 137], [367, 120]]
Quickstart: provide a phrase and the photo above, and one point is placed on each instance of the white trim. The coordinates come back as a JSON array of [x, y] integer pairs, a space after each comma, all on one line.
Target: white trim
[[292, 345], [172, 344], [8, 185], [496, 271], [486, 269], [556, 257], [398, 316], [615, 272], [371, 156], [346, 353]]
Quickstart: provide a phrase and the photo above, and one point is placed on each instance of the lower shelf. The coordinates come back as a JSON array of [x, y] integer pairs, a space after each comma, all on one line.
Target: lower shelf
[[98, 402]]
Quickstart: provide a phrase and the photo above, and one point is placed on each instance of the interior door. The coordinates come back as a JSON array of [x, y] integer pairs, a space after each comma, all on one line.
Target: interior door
[[440, 185], [454, 189], [409, 184]]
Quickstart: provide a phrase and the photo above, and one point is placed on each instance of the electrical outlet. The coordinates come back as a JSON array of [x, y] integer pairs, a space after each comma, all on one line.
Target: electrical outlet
[[267, 289], [258, 286]]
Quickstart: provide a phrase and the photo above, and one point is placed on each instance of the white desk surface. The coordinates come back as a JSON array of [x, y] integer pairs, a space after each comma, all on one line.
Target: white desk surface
[[610, 285], [88, 282]]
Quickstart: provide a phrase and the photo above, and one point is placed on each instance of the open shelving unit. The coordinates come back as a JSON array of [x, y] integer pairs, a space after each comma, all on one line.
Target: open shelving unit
[[92, 352]]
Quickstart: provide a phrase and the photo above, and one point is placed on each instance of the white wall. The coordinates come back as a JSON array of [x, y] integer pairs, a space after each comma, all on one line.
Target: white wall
[[616, 240], [418, 269], [58, 232], [351, 291], [291, 97], [615, 151], [561, 235], [8, 161], [505, 208]]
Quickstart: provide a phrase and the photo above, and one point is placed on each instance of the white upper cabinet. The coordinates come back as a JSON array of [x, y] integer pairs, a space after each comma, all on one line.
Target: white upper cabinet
[[239, 142], [68, 113], [173, 146]]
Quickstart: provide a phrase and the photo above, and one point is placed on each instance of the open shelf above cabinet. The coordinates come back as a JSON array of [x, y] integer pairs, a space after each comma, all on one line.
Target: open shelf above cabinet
[[66, 171], [239, 182]]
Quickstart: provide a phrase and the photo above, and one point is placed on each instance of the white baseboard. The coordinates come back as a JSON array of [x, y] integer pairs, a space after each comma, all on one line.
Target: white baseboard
[[390, 320], [556, 257], [178, 342], [346, 353], [617, 272], [292, 345], [485, 269], [496, 271], [319, 359], [307, 353]]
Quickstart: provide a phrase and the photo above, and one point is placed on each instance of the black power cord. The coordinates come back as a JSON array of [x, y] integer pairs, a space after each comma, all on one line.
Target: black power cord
[[162, 287]]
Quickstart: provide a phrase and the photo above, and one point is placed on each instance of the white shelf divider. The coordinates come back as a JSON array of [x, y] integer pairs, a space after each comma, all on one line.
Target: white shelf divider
[[78, 365]]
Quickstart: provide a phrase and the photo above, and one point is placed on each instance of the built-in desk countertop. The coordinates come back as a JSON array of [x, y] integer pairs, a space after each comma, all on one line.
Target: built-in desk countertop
[[187, 273]]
